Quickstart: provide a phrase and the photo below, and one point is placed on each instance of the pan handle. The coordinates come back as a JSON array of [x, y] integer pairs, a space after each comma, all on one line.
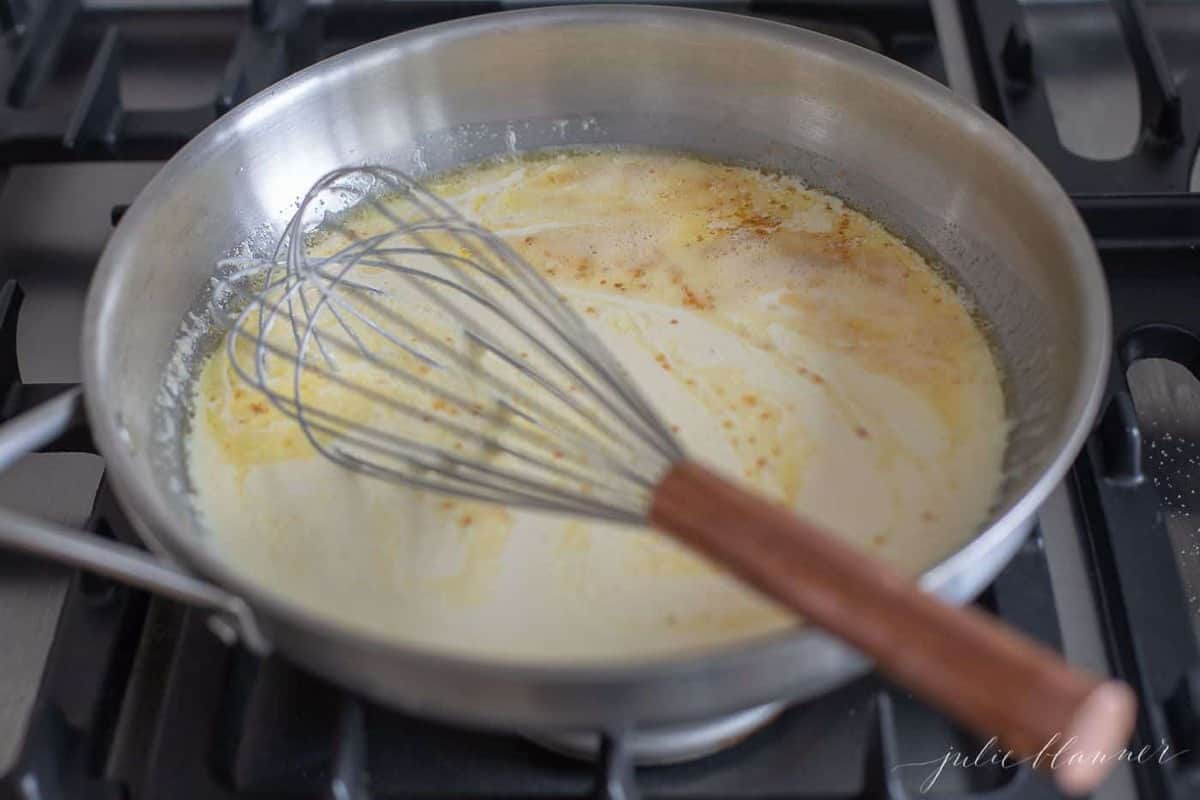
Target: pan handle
[[40, 426]]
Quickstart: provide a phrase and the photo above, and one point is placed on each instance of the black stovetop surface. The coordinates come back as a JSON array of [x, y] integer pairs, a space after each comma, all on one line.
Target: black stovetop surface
[[140, 700]]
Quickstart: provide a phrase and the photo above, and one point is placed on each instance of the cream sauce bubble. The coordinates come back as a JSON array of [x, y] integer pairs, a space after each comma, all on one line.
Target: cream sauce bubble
[[787, 339]]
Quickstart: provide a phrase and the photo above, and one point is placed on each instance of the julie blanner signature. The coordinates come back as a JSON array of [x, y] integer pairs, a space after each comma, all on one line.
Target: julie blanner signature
[[1057, 752]]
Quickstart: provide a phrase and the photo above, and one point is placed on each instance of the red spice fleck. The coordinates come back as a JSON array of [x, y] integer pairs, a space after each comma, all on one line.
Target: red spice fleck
[[466, 521], [674, 322], [861, 432], [761, 462], [760, 224], [693, 300], [258, 408]]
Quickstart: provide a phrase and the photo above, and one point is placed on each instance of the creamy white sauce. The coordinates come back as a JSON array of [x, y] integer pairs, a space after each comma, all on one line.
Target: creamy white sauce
[[787, 340]]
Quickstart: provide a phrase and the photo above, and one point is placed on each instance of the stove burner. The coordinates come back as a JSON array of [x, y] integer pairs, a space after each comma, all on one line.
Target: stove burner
[[1149, 246], [1157, 37], [674, 744]]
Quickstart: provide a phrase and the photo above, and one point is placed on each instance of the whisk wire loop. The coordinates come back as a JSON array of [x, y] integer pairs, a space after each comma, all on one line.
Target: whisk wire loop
[[378, 345]]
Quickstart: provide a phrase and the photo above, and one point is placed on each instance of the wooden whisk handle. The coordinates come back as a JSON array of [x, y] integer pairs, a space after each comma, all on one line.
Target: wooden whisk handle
[[989, 677]]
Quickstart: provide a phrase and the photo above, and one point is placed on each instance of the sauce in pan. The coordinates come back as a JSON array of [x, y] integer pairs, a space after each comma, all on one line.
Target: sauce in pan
[[788, 340]]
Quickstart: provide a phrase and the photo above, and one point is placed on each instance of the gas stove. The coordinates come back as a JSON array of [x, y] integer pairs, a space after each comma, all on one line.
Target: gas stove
[[106, 692]]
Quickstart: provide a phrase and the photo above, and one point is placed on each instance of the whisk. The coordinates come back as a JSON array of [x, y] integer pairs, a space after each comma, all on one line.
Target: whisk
[[432, 355]]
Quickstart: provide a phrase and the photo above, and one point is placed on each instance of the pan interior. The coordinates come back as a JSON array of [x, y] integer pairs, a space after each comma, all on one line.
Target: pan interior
[[788, 340]]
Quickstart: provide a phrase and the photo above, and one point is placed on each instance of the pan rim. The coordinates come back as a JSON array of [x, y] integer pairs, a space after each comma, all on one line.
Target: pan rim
[[958, 577]]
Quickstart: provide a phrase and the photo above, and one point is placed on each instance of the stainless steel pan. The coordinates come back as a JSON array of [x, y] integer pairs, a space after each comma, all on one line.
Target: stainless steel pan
[[886, 139]]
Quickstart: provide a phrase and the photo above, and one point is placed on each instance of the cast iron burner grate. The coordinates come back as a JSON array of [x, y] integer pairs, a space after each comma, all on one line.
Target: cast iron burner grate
[[1161, 41], [1150, 245], [66, 94]]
